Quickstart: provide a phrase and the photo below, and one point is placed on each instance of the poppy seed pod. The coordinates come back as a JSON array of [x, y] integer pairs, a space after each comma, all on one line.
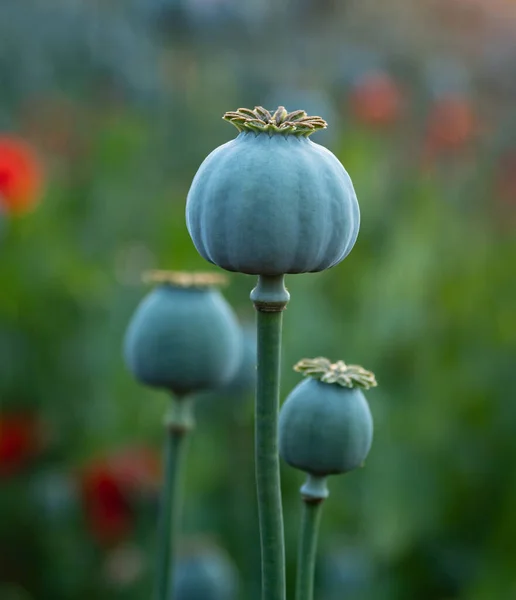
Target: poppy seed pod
[[183, 336], [325, 425], [244, 379], [205, 572], [271, 201]]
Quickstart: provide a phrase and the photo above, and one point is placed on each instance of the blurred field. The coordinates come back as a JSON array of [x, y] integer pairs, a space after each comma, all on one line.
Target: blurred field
[[115, 105]]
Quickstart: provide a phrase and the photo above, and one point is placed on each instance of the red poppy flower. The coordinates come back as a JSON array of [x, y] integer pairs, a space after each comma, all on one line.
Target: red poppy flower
[[108, 512], [21, 176], [376, 100], [20, 442], [108, 488], [138, 469]]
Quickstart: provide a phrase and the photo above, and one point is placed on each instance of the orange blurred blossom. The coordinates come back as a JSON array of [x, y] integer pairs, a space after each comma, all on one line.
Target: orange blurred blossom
[[21, 175], [451, 124], [376, 100]]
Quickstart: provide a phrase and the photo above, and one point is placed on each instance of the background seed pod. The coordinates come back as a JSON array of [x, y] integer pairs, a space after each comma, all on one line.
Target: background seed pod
[[243, 381], [183, 339], [205, 572]]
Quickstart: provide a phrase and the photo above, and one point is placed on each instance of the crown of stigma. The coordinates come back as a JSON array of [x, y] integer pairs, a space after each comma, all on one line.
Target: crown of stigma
[[339, 373], [185, 279], [261, 120]]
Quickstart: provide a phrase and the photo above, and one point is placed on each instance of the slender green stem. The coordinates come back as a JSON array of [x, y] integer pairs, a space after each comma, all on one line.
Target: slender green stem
[[310, 520], [178, 423], [267, 463], [270, 298]]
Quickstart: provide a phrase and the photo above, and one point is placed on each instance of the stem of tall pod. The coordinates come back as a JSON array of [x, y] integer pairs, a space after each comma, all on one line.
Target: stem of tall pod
[[313, 494], [270, 298], [178, 422]]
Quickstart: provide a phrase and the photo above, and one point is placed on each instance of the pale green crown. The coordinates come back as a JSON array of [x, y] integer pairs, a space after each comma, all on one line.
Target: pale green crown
[[261, 120], [339, 373]]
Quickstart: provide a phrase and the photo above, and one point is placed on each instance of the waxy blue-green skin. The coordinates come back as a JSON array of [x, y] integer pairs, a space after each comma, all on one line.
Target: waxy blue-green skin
[[243, 381], [325, 429], [271, 204], [183, 340]]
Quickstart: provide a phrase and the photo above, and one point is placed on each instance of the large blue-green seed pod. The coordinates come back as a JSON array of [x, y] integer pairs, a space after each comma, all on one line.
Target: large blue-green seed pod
[[183, 337], [325, 425], [206, 573], [272, 202]]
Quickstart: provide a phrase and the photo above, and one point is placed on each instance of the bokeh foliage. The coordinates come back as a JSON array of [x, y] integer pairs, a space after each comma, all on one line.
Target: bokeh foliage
[[123, 105]]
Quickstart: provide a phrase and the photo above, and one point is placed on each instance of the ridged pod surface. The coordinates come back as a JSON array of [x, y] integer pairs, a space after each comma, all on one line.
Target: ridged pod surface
[[183, 340], [324, 428], [271, 203]]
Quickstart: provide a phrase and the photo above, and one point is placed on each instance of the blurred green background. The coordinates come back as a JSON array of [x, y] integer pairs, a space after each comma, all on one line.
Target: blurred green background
[[121, 101]]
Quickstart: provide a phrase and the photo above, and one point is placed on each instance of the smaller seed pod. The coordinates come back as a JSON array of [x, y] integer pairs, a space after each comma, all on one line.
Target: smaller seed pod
[[183, 337], [205, 572], [325, 425]]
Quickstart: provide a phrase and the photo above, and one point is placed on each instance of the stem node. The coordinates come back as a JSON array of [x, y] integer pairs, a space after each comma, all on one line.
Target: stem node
[[314, 489], [313, 494], [270, 294]]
